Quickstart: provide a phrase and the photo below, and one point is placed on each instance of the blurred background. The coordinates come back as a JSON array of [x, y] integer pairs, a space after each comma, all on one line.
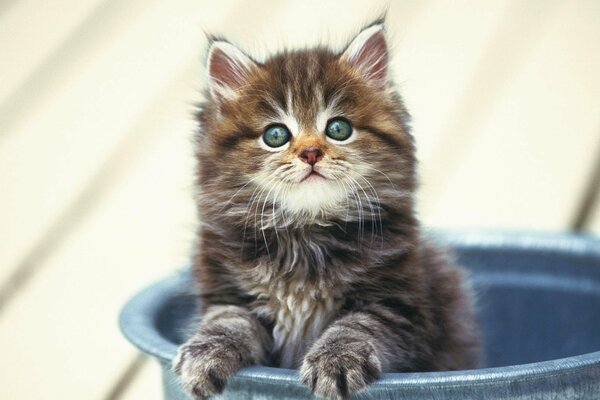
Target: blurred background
[[96, 99]]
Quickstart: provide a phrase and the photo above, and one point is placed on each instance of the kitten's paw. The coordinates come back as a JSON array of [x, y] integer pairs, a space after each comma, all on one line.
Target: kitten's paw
[[204, 364], [337, 370]]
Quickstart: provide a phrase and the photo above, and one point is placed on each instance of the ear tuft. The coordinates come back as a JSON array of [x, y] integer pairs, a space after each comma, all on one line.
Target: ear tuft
[[368, 53], [228, 70]]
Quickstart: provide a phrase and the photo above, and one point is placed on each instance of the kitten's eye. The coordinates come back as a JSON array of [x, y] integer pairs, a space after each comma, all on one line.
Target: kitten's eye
[[338, 129], [276, 136]]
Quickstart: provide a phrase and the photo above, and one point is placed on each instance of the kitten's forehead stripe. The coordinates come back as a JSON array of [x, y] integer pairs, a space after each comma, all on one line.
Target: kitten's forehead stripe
[[303, 87], [322, 117], [289, 106], [292, 124]]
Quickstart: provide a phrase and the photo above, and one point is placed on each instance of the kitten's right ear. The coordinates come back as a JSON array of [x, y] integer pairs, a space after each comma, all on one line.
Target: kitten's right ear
[[368, 53], [228, 70]]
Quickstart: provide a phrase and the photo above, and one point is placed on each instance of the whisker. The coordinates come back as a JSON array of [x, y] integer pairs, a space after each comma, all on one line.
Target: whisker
[[261, 217], [378, 203], [368, 199], [360, 210], [236, 193], [382, 173], [342, 186], [273, 219], [250, 202]]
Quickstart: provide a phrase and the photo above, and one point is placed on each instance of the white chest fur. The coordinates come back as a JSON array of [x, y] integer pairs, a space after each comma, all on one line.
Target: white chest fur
[[300, 314]]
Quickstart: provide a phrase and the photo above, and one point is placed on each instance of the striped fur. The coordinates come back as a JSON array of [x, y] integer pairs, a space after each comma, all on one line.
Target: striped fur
[[329, 275]]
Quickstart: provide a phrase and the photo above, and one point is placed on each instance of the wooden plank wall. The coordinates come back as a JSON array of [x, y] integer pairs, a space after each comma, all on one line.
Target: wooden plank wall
[[95, 163]]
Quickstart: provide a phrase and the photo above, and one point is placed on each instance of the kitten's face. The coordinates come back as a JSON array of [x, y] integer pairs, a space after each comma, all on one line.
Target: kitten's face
[[307, 135]]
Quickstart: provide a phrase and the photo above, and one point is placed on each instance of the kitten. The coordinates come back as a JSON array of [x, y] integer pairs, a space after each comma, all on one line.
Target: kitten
[[310, 255]]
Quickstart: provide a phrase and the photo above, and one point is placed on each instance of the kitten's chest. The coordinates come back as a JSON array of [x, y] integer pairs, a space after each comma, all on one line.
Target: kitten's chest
[[298, 289], [300, 312]]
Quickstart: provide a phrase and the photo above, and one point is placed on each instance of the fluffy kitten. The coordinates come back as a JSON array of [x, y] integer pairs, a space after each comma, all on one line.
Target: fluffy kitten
[[309, 253]]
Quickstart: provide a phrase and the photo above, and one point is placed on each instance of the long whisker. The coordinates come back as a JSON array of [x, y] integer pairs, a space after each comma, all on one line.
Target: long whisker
[[263, 228], [378, 203], [382, 173], [254, 200], [286, 189], [250, 202], [360, 210], [342, 186], [261, 216], [368, 200], [236, 193]]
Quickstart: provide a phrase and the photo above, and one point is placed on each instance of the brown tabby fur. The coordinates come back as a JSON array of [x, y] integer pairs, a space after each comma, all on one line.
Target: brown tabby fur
[[344, 293]]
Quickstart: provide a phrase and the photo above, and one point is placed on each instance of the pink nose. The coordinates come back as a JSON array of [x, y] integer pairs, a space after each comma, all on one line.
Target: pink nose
[[311, 155]]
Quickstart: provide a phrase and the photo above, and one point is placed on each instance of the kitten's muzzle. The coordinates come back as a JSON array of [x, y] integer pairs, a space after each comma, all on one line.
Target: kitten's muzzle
[[311, 155]]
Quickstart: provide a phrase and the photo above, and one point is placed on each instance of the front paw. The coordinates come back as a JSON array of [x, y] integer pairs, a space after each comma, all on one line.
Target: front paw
[[338, 369], [204, 364]]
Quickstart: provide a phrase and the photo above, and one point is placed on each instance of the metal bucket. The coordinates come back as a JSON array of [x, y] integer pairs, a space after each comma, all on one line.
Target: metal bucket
[[538, 306]]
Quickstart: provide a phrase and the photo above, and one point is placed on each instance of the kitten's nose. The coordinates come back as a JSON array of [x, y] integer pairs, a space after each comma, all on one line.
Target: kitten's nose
[[311, 155]]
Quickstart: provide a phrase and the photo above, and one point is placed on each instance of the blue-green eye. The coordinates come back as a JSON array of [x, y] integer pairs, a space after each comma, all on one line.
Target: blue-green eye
[[338, 129], [276, 136]]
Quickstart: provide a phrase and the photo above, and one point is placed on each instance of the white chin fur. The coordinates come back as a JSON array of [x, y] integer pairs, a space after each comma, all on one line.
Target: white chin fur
[[314, 198]]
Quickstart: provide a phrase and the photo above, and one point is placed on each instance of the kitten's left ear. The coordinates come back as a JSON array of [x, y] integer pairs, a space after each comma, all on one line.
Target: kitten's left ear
[[368, 53], [228, 70]]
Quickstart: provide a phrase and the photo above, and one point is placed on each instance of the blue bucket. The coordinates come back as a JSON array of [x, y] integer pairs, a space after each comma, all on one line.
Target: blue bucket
[[538, 306]]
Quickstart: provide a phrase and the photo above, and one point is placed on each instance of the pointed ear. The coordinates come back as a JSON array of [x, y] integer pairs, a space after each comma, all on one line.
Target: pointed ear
[[368, 53], [228, 70]]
